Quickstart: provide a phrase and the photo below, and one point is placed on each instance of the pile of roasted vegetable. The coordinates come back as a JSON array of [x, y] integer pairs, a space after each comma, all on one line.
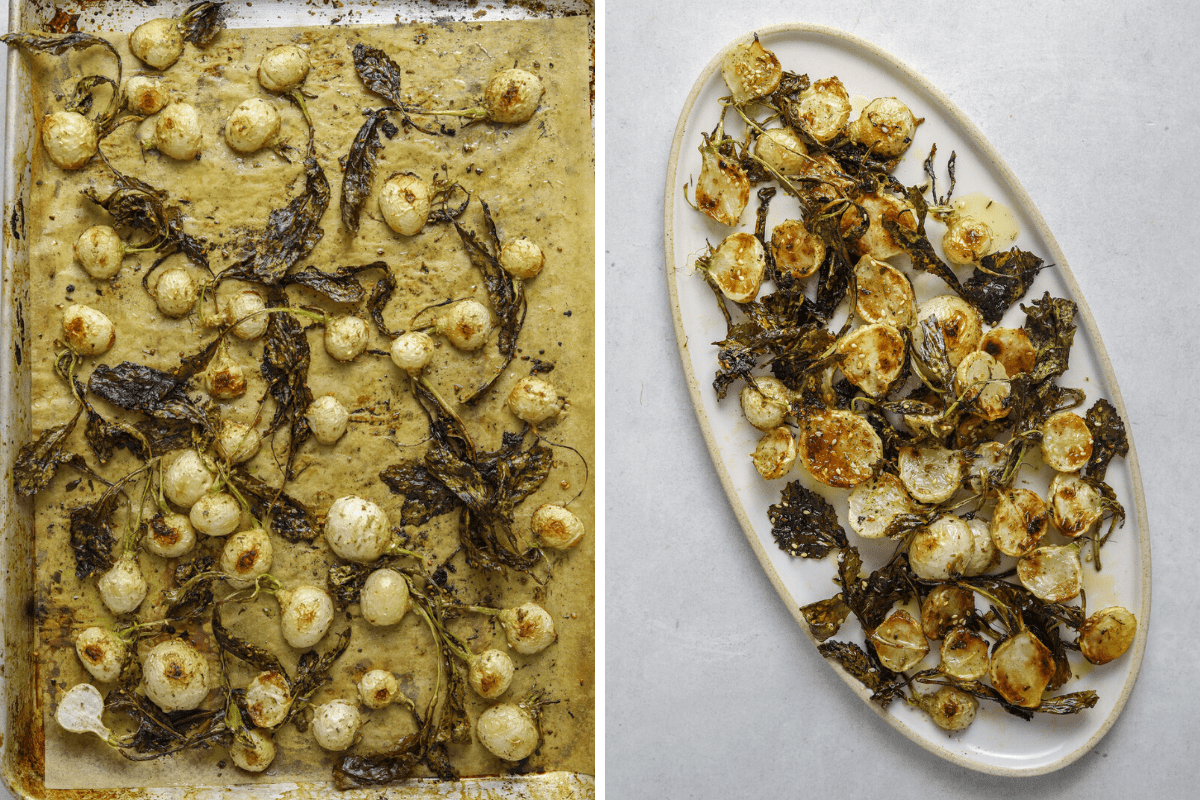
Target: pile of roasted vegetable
[[924, 422], [193, 476]]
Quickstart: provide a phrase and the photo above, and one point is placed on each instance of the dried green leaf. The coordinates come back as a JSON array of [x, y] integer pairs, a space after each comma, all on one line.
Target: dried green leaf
[[91, 535], [285, 362], [861, 665], [1108, 438], [38, 461], [825, 617], [291, 233], [506, 293], [288, 518], [425, 496], [359, 167], [201, 22], [252, 654], [1001, 280], [340, 286], [804, 524], [312, 672], [345, 583], [1071, 703], [194, 579]]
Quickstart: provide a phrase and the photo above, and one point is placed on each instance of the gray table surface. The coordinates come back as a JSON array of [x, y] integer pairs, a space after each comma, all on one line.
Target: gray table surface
[[711, 689]]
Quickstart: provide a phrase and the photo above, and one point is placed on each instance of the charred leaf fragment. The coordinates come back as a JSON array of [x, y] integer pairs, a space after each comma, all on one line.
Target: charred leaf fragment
[[106, 437], [765, 195], [160, 733], [929, 170], [377, 769], [259, 657], [506, 293], [91, 534], [929, 354], [516, 473], [136, 205], [872, 599], [378, 72], [488, 492], [804, 524], [381, 75], [381, 293], [83, 99], [1036, 395], [289, 518], [1108, 438], [437, 728], [1051, 328], [1017, 608], [735, 361], [345, 583], [359, 168], [790, 87], [917, 245], [800, 367], [425, 497], [1112, 509], [340, 286], [1001, 280], [201, 22], [194, 364], [194, 579], [865, 667], [454, 727], [135, 387], [484, 487], [312, 672], [1071, 703], [904, 524], [825, 617], [292, 231], [286, 357], [782, 327], [90, 527], [165, 435], [38, 461], [837, 270]]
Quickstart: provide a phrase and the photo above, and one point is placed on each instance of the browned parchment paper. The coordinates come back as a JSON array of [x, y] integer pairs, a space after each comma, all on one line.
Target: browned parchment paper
[[538, 180]]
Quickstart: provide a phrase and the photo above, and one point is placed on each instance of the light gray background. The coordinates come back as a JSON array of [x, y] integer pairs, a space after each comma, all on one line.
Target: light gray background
[[712, 691]]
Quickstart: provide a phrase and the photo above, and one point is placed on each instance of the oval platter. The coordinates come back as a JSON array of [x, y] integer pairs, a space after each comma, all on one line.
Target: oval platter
[[997, 742]]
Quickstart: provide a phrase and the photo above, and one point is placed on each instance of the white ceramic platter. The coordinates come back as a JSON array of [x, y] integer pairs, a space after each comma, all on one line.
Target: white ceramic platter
[[997, 742]]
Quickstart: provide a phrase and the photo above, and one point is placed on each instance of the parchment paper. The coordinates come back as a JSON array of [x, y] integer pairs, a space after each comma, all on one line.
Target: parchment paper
[[538, 180]]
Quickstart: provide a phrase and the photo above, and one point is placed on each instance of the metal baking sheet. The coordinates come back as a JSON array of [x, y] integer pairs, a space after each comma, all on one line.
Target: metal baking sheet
[[21, 714]]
